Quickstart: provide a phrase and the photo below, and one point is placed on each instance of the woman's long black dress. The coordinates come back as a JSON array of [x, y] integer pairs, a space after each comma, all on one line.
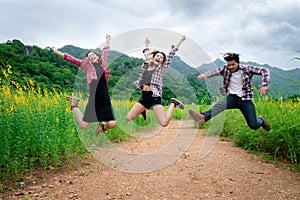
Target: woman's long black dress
[[99, 107]]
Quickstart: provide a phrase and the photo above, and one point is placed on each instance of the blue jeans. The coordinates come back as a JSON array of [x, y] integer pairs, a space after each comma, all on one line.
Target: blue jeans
[[232, 102]]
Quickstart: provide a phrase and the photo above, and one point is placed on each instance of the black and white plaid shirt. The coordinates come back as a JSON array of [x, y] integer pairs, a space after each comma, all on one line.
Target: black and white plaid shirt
[[157, 77], [247, 73]]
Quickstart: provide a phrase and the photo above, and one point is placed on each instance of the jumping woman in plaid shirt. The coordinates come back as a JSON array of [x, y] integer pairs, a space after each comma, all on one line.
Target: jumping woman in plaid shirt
[[150, 83], [237, 84], [99, 107]]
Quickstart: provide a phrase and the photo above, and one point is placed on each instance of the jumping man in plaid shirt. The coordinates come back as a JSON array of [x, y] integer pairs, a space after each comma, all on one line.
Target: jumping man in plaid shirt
[[237, 84], [150, 83]]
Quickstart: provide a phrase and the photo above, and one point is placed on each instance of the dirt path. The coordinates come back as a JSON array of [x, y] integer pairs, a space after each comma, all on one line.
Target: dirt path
[[227, 172]]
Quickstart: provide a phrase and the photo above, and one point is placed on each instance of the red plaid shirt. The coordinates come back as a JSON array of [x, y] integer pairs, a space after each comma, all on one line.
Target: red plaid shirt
[[247, 73], [88, 67], [157, 77]]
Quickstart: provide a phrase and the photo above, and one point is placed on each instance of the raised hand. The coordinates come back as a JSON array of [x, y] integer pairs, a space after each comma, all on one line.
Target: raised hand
[[180, 41], [201, 77], [147, 42]]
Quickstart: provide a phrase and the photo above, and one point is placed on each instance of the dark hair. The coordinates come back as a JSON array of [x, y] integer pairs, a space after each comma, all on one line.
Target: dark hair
[[86, 55], [156, 52], [231, 56]]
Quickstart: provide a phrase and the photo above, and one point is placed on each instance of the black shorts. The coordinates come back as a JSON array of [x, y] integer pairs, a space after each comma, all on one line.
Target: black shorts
[[148, 101]]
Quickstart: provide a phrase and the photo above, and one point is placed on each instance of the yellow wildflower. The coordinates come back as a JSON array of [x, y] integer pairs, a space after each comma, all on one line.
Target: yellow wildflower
[[4, 73], [57, 96], [11, 108], [6, 91], [45, 94], [266, 97], [23, 99], [68, 110], [9, 71], [17, 99], [13, 82], [31, 82]]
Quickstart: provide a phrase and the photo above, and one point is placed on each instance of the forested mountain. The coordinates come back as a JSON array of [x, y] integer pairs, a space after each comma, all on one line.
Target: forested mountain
[[47, 70], [39, 65]]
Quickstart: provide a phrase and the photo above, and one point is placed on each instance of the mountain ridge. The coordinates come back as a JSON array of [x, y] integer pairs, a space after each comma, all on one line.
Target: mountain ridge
[[41, 65]]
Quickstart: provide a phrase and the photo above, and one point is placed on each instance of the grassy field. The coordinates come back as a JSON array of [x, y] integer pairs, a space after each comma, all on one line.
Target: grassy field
[[38, 129]]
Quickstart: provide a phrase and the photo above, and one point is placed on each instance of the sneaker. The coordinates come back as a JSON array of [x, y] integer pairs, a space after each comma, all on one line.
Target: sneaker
[[100, 128], [73, 101], [197, 117], [178, 104], [144, 114], [265, 124]]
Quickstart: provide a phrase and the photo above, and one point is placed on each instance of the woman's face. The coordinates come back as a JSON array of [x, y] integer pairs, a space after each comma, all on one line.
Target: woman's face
[[158, 59], [93, 57]]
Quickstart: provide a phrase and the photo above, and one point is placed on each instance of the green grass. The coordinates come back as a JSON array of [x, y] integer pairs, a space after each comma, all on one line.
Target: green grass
[[38, 129], [35, 131], [283, 140]]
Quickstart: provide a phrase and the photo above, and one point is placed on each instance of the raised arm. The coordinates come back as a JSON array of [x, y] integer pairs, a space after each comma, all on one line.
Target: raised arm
[[173, 52], [67, 57], [147, 42], [107, 42], [211, 73], [104, 55], [147, 53], [180, 41], [59, 53]]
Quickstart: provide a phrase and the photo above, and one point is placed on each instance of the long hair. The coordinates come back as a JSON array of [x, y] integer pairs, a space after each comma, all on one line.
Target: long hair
[[154, 52]]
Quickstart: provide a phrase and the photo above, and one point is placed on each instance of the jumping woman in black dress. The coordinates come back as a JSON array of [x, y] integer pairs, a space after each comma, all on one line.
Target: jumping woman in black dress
[[99, 107]]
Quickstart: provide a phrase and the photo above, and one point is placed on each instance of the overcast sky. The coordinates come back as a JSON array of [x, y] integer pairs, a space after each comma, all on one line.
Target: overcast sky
[[266, 32]]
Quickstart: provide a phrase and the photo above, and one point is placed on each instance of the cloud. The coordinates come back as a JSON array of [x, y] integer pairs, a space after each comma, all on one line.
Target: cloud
[[249, 27], [189, 8], [253, 28]]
